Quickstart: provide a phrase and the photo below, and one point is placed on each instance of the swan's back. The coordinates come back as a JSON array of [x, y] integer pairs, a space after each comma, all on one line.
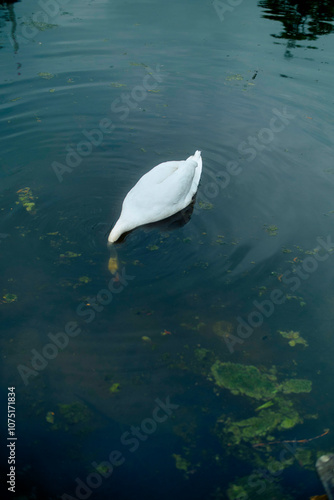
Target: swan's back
[[163, 191]]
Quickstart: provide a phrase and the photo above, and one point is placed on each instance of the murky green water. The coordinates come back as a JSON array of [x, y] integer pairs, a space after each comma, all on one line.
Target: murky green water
[[125, 388]]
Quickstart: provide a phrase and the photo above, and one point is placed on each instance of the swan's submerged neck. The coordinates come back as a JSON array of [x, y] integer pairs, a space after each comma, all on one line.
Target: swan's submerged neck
[[119, 228]]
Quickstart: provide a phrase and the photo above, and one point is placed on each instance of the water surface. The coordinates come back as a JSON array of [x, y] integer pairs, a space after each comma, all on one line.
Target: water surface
[[93, 94]]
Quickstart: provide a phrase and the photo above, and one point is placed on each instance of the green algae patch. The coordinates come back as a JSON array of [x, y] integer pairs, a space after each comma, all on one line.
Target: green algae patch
[[104, 470], [181, 463], [70, 255], [46, 75], [244, 379], [252, 428], [237, 492], [26, 199], [203, 205], [85, 279], [74, 413], [257, 487], [9, 297], [271, 229], [223, 329], [296, 385], [293, 337], [202, 354], [282, 416], [114, 388], [50, 417]]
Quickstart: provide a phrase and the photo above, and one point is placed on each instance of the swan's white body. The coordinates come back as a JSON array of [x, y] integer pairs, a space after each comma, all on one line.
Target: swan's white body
[[163, 191]]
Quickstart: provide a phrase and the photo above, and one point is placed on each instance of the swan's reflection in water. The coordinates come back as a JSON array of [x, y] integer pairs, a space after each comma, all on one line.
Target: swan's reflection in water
[[171, 223]]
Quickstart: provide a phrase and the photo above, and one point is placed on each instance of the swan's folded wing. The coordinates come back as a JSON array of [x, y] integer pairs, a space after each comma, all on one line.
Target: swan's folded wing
[[157, 195]]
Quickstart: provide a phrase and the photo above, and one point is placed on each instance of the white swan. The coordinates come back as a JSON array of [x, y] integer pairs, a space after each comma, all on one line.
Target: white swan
[[163, 191]]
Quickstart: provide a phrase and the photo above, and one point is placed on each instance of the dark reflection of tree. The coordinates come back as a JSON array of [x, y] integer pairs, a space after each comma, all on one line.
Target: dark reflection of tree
[[7, 14], [302, 20]]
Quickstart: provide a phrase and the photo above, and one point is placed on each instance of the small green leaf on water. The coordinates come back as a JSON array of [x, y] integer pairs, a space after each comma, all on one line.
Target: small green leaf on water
[[271, 229], [205, 205], [70, 255], [114, 388], [45, 75], [26, 199], [52, 90], [50, 417], [117, 84], [234, 77], [265, 405], [85, 279], [16, 99], [143, 150], [152, 247]]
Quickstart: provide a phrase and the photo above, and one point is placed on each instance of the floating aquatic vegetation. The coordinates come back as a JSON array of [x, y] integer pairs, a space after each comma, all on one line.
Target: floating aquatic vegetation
[[193, 327], [146, 339], [152, 247], [46, 75], [249, 381], [202, 354], [70, 255], [265, 405], [117, 84], [302, 303], [283, 416], [259, 486], [85, 279], [181, 463], [223, 329], [50, 417], [40, 25], [104, 470], [114, 388], [271, 229], [205, 205], [294, 338], [296, 385], [236, 492], [26, 199], [244, 379], [234, 77], [165, 332], [74, 413], [9, 297]]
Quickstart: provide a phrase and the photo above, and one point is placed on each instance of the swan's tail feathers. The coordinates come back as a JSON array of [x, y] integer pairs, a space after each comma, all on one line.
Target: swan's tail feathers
[[198, 172], [197, 157]]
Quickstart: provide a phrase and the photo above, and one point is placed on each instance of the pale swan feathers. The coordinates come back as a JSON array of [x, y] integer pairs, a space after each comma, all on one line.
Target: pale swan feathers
[[163, 191]]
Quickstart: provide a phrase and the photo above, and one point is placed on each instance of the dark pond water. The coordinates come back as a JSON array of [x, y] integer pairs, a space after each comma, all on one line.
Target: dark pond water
[[117, 381]]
